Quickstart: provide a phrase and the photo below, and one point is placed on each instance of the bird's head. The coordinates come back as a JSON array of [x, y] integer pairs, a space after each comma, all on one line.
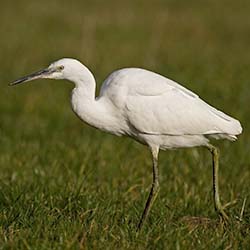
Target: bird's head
[[65, 68]]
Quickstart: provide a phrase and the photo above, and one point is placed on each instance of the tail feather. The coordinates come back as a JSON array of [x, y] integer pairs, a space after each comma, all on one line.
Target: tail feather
[[237, 127], [229, 125]]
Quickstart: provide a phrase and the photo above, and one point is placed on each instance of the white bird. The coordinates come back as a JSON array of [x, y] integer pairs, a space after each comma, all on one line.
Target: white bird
[[148, 107]]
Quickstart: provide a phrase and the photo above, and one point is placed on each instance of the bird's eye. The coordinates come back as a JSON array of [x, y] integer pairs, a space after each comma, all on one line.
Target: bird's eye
[[61, 67]]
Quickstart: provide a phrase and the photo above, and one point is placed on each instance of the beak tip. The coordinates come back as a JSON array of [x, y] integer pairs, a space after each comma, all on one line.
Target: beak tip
[[13, 83], [33, 76]]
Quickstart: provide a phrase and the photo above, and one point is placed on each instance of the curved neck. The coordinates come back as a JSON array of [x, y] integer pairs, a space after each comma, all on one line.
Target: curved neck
[[95, 112], [83, 95], [84, 83]]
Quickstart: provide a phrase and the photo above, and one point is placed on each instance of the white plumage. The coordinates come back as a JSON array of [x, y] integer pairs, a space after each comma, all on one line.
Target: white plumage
[[148, 107], [155, 106]]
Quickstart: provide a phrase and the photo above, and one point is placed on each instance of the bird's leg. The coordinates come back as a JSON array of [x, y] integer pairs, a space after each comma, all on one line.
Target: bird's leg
[[217, 203], [154, 189]]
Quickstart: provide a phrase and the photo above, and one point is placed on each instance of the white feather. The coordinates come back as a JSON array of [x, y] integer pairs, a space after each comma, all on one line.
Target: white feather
[[154, 105]]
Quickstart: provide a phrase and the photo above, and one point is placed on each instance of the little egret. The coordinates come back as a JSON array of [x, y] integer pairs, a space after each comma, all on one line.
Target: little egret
[[148, 107]]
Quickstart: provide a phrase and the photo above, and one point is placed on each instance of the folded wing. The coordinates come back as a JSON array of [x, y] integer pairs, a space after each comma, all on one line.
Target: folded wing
[[174, 110]]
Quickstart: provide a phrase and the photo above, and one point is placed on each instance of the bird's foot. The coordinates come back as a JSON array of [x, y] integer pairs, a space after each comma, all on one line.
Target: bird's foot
[[223, 216], [220, 209], [229, 204]]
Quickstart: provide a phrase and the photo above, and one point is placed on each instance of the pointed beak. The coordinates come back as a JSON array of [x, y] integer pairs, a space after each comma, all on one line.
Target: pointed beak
[[44, 73]]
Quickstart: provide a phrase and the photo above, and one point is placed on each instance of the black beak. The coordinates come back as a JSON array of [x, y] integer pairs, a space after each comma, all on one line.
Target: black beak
[[39, 74]]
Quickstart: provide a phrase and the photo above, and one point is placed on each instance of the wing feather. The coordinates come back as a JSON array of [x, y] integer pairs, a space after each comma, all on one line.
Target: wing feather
[[176, 112], [154, 104]]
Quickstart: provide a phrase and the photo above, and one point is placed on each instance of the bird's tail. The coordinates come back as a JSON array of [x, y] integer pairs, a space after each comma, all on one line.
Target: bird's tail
[[229, 127]]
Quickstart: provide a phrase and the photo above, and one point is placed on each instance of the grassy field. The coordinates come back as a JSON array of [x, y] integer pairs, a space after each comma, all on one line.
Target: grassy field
[[65, 185]]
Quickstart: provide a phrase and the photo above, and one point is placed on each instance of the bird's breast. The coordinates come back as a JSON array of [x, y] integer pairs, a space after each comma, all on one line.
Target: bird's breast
[[99, 113]]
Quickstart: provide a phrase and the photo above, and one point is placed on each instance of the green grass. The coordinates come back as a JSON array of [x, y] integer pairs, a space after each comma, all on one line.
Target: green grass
[[64, 185]]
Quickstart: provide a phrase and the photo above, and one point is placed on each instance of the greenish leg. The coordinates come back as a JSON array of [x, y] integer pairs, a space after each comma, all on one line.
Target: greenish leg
[[217, 203], [154, 189]]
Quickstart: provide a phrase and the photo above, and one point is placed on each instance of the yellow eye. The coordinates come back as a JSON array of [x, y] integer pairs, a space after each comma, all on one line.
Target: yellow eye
[[61, 67]]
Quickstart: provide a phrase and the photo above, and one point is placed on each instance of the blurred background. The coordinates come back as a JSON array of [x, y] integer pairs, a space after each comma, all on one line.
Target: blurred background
[[46, 152], [200, 44]]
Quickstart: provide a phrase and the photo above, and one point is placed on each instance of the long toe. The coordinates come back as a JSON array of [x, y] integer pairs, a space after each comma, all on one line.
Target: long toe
[[223, 215], [229, 204]]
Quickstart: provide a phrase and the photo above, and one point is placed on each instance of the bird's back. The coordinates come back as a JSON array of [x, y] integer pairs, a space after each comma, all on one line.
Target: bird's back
[[155, 105], [137, 80]]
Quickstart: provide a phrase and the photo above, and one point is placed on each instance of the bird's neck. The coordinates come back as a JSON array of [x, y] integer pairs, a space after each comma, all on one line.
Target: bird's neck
[[89, 109], [85, 84]]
